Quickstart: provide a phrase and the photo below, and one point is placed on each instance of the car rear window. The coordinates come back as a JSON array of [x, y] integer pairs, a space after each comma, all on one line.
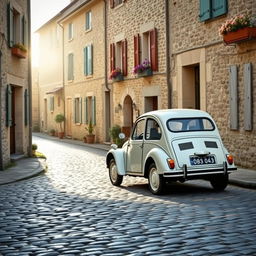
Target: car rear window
[[190, 124]]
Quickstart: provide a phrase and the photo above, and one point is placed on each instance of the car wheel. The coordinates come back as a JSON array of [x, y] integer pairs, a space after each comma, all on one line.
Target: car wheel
[[155, 181], [115, 178], [219, 182]]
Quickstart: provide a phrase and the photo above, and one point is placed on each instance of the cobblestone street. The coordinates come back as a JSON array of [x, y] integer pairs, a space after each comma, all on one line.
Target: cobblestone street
[[73, 209]]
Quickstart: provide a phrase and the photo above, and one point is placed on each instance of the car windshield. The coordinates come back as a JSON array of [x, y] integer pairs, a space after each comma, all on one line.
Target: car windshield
[[190, 124]]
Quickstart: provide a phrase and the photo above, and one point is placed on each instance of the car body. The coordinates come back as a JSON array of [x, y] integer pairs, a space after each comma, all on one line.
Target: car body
[[172, 145]]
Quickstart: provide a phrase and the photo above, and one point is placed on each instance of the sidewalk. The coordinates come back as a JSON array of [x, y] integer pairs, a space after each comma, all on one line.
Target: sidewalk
[[29, 167]]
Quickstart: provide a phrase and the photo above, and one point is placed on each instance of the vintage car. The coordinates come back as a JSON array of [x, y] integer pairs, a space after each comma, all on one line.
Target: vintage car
[[172, 145]]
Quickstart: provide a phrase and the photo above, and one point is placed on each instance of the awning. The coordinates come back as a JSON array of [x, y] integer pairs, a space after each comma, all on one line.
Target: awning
[[54, 90]]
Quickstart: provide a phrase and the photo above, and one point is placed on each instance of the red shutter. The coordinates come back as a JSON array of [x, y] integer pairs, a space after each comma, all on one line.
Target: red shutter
[[136, 50], [153, 50], [124, 57], [112, 57], [112, 3]]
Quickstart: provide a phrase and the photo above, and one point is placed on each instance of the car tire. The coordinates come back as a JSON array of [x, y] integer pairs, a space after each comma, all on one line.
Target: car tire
[[219, 182], [155, 181], [115, 178]]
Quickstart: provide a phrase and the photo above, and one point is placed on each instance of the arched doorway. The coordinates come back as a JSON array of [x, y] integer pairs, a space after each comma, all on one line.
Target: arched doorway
[[127, 115]]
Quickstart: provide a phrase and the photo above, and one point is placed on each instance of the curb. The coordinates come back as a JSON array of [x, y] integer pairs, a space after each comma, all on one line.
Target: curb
[[242, 183]]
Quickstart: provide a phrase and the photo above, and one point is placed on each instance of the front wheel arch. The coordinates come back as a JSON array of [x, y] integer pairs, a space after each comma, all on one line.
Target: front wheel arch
[[149, 161]]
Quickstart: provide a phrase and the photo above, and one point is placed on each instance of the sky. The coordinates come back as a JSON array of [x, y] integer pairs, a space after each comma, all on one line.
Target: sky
[[44, 10], [41, 12]]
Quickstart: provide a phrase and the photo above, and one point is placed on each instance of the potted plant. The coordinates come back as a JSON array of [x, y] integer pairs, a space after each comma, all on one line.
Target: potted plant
[[89, 137], [238, 29], [116, 75], [19, 50], [34, 148], [52, 132], [143, 69], [114, 132], [60, 118]]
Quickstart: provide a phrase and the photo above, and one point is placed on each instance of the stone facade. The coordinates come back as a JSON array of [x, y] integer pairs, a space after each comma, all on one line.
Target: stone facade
[[199, 44], [15, 133], [135, 95]]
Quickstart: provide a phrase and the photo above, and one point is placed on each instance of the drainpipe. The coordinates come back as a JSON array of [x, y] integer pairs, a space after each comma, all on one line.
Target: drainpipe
[[167, 54], [1, 150], [29, 80]]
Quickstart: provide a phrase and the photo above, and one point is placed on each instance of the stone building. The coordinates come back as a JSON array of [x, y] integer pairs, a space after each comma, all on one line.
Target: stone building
[[211, 75], [15, 90], [136, 34], [48, 80]]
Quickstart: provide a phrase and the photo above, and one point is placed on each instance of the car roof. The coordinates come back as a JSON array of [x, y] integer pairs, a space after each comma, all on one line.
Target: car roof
[[165, 114]]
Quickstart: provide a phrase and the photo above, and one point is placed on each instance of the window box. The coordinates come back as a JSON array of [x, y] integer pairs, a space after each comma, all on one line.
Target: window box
[[146, 72], [118, 78], [240, 35], [19, 52]]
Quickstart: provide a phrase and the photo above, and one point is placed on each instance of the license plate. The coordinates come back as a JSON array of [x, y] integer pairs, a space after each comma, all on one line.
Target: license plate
[[201, 160]]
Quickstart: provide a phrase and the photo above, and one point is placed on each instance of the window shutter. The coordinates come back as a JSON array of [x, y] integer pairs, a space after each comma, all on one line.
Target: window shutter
[[10, 25], [112, 57], [71, 66], [26, 107], [136, 50], [74, 110], [112, 3], [8, 106], [80, 110], [51, 103], [124, 57], [86, 110], [90, 59], [24, 31], [153, 50], [93, 110], [219, 7], [233, 97], [85, 60], [205, 10], [248, 97]]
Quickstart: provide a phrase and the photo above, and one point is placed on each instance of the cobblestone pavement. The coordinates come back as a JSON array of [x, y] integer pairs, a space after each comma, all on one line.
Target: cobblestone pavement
[[74, 210]]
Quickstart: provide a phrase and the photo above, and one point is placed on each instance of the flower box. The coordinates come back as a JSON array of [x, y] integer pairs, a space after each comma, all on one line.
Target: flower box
[[240, 35], [118, 78], [146, 72], [19, 53]]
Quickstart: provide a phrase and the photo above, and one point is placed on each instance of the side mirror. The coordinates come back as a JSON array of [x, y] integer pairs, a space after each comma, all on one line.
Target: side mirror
[[121, 136]]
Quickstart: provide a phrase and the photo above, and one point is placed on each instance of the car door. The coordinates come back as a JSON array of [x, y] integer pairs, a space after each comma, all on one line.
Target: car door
[[135, 148]]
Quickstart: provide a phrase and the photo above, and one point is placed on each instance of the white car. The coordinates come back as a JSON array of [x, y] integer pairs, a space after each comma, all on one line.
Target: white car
[[172, 145]]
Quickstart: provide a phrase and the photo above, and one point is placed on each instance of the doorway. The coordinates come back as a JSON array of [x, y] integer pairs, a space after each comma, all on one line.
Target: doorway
[[191, 86], [12, 127], [151, 103], [127, 115]]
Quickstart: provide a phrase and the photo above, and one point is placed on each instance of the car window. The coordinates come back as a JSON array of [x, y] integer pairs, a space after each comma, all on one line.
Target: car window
[[153, 131], [190, 124], [138, 130]]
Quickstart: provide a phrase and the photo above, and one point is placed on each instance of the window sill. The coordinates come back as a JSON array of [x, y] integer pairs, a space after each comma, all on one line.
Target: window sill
[[118, 6], [88, 30], [88, 76], [70, 39], [70, 81]]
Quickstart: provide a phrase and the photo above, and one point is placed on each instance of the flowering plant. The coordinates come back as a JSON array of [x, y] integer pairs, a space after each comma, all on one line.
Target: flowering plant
[[141, 67], [236, 23], [114, 73]]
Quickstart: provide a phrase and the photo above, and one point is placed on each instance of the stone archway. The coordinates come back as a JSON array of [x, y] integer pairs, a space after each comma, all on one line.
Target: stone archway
[[127, 115]]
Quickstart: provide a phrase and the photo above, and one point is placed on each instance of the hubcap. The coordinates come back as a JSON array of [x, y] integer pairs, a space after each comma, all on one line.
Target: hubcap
[[154, 179], [113, 173]]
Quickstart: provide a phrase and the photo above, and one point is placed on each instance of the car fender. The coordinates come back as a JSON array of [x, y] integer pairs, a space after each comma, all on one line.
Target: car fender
[[118, 155], [160, 157]]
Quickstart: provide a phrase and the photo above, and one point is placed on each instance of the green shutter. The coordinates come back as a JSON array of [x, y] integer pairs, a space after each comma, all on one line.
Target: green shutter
[[90, 60], [26, 107], [205, 10], [10, 25], [8, 106], [85, 65], [219, 7], [71, 66], [24, 31], [94, 110], [80, 110], [74, 110], [86, 110], [51, 103]]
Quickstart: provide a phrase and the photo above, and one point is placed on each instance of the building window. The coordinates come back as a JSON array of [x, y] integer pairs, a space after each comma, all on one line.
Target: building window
[[71, 67], [70, 31], [118, 56], [88, 60], [88, 20], [17, 26], [51, 102], [114, 3], [90, 110], [146, 48], [78, 110], [212, 8]]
